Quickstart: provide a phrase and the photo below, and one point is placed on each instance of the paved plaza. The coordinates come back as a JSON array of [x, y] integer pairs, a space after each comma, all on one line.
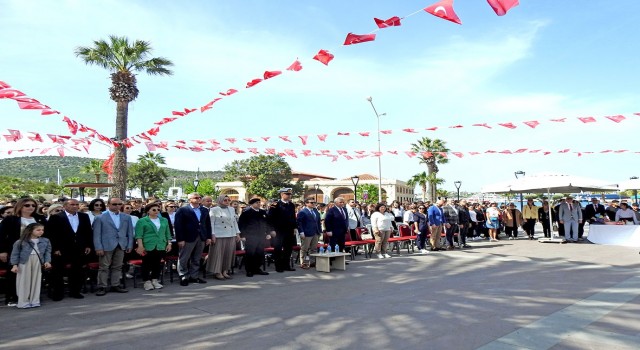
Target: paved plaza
[[506, 295]]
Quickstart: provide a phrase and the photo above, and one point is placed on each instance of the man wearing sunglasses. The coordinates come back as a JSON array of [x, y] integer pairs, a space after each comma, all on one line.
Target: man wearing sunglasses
[[112, 237], [193, 230]]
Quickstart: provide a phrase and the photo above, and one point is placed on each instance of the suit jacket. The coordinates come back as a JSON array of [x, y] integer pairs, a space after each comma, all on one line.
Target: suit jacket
[[308, 223], [463, 216], [335, 223], [153, 238], [187, 227], [165, 215], [590, 211], [254, 225], [509, 219], [283, 217], [451, 217], [567, 215], [107, 237], [59, 231], [10, 228]]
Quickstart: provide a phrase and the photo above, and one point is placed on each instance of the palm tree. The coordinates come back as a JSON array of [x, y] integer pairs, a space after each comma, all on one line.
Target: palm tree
[[420, 179], [428, 151], [93, 167], [122, 59], [156, 158]]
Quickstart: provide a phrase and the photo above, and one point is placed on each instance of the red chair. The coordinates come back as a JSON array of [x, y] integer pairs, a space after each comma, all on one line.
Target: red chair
[[368, 248], [238, 259], [354, 245]]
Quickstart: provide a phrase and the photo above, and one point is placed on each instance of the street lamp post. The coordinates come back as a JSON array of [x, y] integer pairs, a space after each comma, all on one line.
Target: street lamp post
[[196, 181], [316, 187], [370, 99], [354, 180], [520, 172], [635, 192], [458, 184]]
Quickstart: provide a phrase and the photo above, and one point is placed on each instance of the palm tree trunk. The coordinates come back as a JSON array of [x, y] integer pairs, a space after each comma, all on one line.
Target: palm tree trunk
[[120, 158], [424, 192]]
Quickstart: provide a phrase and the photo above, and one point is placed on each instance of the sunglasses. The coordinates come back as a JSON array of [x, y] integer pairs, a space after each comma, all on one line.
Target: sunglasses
[[29, 205], [97, 205], [154, 209], [115, 204], [311, 202], [422, 208], [171, 206], [196, 197]]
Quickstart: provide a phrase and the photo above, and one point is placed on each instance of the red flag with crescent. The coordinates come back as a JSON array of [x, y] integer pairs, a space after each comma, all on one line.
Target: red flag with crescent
[[391, 22], [444, 10], [352, 39], [295, 66], [271, 74], [107, 165]]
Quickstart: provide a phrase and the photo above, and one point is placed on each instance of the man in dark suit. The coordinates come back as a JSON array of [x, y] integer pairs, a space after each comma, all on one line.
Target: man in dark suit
[[193, 230], [310, 230], [112, 238], [282, 216], [336, 222], [592, 209], [71, 239]]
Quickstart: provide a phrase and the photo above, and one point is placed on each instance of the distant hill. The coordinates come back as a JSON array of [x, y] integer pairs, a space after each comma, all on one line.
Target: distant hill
[[43, 167]]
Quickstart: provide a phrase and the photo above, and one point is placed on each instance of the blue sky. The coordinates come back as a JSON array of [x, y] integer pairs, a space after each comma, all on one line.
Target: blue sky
[[545, 59]]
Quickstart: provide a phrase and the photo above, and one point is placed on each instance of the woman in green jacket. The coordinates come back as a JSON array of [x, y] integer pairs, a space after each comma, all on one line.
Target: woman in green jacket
[[154, 239]]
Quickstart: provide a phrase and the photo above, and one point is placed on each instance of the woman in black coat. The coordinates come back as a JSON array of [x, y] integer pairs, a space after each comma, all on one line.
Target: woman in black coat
[[10, 229], [254, 230]]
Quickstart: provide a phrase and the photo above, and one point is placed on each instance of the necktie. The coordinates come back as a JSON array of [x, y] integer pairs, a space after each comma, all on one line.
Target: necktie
[[312, 213], [342, 211], [570, 207]]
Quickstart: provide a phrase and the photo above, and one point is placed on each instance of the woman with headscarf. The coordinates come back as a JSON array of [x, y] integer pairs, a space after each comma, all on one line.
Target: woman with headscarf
[[224, 235]]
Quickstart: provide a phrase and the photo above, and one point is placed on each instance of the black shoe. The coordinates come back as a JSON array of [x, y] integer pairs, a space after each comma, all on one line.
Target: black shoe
[[249, 274], [279, 270], [346, 263], [197, 280], [262, 273], [184, 281], [57, 297], [77, 296], [119, 289], [101, 292]]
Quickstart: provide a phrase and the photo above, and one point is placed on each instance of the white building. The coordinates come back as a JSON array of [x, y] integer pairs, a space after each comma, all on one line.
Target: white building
[[329, 188]]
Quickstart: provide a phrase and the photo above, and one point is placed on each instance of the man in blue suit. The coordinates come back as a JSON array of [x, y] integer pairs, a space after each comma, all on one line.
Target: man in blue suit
[[336, 222], [112, 237], [310, 230], [192, 228]]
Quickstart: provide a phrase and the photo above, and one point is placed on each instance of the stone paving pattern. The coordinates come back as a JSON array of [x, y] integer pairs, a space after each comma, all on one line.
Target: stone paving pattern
[[503, 295]]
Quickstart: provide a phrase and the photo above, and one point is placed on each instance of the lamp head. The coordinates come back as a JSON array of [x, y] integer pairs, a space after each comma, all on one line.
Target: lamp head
[[369, 99]]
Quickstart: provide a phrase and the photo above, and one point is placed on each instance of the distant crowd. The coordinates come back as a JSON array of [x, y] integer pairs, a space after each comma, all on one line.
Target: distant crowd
[[202, 237]]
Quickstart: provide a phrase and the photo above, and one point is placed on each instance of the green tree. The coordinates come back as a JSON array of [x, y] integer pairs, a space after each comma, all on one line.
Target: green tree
[[263, 175], [444, 194], [146, 174], [122, 59], [372, 193], [206, 187], [429, 154], [94, 167], [422, 180]]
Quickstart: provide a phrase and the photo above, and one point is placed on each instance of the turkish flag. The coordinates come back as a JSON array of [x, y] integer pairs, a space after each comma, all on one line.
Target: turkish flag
[[458, 154], [31, 105], [35, 137], [434, 128], [409, 130], [265, 138], [587, 119], [532, 124], [237, 150], [501, 7], [616, 118], [150, 146], [209, 105], [284, 138], [144, 136], [484, 125], [248, 139], [153, 131], [72, 124], [229, 92], [291, 153], [306, 152], [48, 112], [107, 165], [295, 66], [391, 22], [25, 99], [254, 82], [10, 93], [322, 137], [561, 120], [341, 152], [271, 151], [410, 154], [253, 150], [386, 132], [60, 151], [231, 139], [16, 134], [444, 10], [303, 138], [364, 133], [393, 152], [4, 85], [271, 74], [507, 125], [358, 38], [343, 133], [324, 57]]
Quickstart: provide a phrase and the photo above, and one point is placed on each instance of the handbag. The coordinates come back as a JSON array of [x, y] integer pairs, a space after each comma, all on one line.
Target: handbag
[[366, 235], [555, 227]]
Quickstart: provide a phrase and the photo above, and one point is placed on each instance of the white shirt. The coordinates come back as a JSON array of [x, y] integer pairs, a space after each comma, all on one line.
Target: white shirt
[[115, 217], [472, 215], [382, 222], [156, 222], [73, 220]]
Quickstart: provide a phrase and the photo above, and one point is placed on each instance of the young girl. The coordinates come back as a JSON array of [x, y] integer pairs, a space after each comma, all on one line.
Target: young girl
[[29, 254]]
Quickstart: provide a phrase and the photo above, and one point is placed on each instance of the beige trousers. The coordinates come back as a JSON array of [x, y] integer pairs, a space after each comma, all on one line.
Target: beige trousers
[[435, 236], [382, 241], [28, 282], [221, 254], [309, 246]]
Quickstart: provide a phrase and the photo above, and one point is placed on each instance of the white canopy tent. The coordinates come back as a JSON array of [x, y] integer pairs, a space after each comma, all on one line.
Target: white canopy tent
[[552, 183]]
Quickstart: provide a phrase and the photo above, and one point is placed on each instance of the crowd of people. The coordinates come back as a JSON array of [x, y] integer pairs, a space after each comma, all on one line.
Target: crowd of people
[[61, 238]]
